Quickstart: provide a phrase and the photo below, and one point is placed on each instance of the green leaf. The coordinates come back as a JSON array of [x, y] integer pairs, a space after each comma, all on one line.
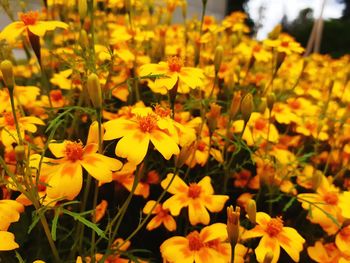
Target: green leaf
[[54, 224], [86, 222]]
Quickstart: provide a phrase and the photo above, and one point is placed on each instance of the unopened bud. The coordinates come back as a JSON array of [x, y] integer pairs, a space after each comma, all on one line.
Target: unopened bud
[[213, 116], [82, 8], [84, 39], [235, 104], [233, 224], [268, 257], [94, 90], [270, 99], [219, 54], [317, 177], [251, 211], [247, 106], [7, 73], [262, 106], [184, 154], [184, 9], [20, 153]]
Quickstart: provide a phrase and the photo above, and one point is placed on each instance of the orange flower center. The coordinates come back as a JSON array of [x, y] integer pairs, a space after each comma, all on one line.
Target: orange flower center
[[260, 124], [9, 120], [295, 104], [194, 190], [147, 123], [161, 111], [175, 63], [29, 18], [201, 146], [285, 44], [56, 95], [274, 226], [331, 198], [74, 151], [194, 241]]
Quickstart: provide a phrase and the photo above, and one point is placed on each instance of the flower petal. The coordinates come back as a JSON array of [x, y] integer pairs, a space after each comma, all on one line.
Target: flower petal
[[267, 244], [12, 31], [164, 144], [176, 249], [177, 186], [291, 242], [133, 146], [214, 231], [7, 241], [198, 213]]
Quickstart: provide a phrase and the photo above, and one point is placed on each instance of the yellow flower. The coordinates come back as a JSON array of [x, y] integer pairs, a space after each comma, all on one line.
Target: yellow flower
[[9, 213], [161, 217], [274, 235], [208, 245], [136, 134], [8, 127], [65, 179], [175, 73], [198, 197], [326, 253], [31, 24]]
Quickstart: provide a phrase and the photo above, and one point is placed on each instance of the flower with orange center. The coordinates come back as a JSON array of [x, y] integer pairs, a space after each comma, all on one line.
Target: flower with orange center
[[9, 213], [65, 175], [29, 22], [136, 133], [331, 206], [208, 245], [162, 216], [327, 253], [8, 127], [174, 73], [342, 240], [274, 235], [198, 197]]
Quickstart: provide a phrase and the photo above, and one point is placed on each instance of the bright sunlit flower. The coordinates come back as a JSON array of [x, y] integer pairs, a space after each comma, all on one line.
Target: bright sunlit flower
[[174, 73], [162, 216], [198, 197], [31, 25], [274, 235]]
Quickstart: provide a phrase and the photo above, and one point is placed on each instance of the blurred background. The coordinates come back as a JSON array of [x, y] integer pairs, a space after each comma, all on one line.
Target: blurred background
[[296, 16]]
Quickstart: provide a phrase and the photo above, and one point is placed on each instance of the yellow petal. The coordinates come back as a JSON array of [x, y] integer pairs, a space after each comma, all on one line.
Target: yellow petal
[[133, 146], [175, 204], [176, 250], [169, 223], [291, 242], [214, 231], [267, 244], [117, 128], [148, 206], [95, 165], [198, 213], [66, 182], [7, 241], [177, 186], [164, 144], [167, 82], [12, 31], [215, 203]]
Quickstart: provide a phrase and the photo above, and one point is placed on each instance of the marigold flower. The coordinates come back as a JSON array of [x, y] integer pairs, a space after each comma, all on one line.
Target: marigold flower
[[274, 235], [198, 197], [174, 72], [136, 134], [208, 245], [31, 24], [162, 216]]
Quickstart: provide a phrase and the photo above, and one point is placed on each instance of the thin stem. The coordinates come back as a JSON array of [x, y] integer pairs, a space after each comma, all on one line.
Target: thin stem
[[11, 92]]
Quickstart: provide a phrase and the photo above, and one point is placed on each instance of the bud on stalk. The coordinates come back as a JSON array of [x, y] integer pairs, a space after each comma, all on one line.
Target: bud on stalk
[[7, 73], [247, 106], [94, 90]]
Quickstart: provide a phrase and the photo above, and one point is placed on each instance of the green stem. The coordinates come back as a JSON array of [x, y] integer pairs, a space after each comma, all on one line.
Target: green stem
[[11, 92]]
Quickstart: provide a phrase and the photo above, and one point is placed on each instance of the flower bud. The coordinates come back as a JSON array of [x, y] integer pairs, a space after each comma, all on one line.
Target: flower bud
[[247, 106], [7, 73], [236, 102], [184, 154], [94, 90], [316, 180], [251, 211], [219, 53], [84, 39], [273, 35], [233, 224], [213, 116], [270, 99], [184, 9], [262, 105], [82, 8], [20, 153]]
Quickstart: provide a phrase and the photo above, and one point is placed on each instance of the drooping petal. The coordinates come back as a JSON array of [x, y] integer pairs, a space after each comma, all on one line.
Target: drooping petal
[[12, 31], [215, 203], [291, 242], [40, 27], [177, 186], [133, 146], [175, 204], [257, 231], [66, 182], [267, 244], [7, 241], [198, 213], [164, 144]]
